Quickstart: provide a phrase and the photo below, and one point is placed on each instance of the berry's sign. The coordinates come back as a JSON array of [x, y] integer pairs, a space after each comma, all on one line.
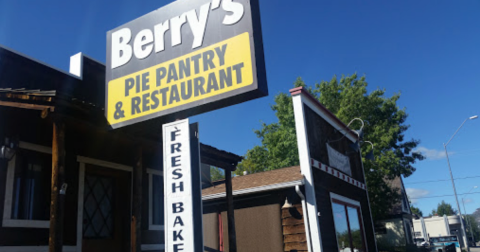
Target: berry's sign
[[186, 58]]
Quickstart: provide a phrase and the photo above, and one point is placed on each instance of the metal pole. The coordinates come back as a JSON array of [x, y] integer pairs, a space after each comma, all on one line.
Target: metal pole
[[464, 235], [469, 223]]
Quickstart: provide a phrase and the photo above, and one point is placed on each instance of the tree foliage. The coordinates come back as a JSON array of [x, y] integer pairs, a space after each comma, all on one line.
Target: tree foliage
[[472, 226], [216, 173], [347, 98], [444, 208], [416, 210]]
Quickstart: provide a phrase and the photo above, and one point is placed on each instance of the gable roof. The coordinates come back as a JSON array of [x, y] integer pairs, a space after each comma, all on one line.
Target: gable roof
[[397, 183], [257, 182]]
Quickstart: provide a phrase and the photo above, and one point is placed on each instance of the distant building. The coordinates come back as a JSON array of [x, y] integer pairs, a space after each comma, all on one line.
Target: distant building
[[437, 226], [396, 229]]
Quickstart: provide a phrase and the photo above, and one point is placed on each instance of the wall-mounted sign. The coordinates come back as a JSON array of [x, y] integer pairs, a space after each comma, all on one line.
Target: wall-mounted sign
[[188, 57], [182, 187], [338, 160]]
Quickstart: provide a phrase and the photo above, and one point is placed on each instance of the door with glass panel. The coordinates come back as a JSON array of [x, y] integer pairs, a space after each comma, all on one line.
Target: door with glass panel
[[348, 227], [106, 209]]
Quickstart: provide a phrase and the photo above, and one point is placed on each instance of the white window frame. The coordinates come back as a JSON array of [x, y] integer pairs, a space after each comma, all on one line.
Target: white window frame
[[8, 201], [150, 173], [355, 203]]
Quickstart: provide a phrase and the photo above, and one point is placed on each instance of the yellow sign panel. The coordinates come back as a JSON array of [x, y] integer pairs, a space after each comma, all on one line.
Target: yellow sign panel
[[208, 72]]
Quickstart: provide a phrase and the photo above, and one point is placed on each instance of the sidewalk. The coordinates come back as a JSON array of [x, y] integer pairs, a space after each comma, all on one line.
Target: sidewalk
[[477, 249]]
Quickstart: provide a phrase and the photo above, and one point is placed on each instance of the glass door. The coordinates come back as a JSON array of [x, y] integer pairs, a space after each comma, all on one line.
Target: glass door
[[348, 227]]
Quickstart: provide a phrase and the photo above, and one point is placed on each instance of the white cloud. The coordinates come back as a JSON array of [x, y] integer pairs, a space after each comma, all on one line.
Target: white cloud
[[467, 200], [414, 193], [432, 153]]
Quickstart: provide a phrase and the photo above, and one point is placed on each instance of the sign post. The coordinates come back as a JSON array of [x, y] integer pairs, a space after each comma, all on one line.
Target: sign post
[[183, 214]]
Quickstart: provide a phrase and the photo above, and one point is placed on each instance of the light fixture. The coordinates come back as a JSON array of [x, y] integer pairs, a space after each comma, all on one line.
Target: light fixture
[[8, 149], [355, 146], [473, 117], [370, 155], [360, 131]]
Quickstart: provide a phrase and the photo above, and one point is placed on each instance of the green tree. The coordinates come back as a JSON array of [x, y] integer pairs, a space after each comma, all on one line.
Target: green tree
[[216, 173], [416, 210], [347, 98], [472, 226], [444, 208]]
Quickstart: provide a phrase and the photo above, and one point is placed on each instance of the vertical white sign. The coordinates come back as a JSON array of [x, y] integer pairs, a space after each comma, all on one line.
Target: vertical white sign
[[179, 225]]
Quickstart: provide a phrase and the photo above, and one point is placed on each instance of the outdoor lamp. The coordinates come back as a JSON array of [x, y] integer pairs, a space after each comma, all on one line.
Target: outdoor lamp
[[360, 131], [8, 149], [369, 155], [355, 146]]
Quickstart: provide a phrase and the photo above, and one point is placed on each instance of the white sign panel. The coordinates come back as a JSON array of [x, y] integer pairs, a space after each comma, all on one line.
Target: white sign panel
[[179, 224], [339, 161]]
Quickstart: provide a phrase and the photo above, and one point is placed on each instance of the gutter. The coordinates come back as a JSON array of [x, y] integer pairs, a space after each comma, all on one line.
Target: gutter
[[255, 190], [305, 214]]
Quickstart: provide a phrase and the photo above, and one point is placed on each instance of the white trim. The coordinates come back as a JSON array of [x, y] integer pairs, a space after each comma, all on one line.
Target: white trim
[[345, 199], [360, 218], [7, 205], [156, 172], [76, 65], [26, 223], [9, 183], [34, 249], [327, 118], [104, 164], [338, 174], [81, 188], [35, 147], [306, 170], [254, 190], [150, 247], [152, 226]]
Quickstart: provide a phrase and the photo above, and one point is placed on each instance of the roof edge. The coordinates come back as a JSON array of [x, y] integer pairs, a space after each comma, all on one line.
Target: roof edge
[[304, 91], [255, 189]]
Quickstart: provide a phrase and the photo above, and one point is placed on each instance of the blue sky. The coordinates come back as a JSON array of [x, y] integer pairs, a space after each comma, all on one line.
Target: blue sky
[[428, 50]]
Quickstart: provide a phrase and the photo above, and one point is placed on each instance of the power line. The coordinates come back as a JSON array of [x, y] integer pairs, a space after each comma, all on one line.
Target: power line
[[446, 195], [440, 180]]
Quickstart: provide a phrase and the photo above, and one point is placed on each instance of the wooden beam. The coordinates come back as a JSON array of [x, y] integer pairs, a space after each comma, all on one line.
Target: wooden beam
[[232, 236], [55, 240], [26, 105], [137, 200]]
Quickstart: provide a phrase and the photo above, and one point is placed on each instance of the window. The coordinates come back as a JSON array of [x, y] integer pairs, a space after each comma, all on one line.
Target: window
[[31, 193], [27, 189], [348, 226], [418, 234], [155, 191]]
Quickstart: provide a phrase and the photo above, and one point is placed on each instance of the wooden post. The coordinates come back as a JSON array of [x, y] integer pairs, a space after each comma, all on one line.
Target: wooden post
[[137, 201], [232, 236], [55, 241]]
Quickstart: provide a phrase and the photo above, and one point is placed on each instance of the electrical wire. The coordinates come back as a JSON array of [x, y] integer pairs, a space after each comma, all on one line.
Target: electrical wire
[[446, 195], [440, 180]]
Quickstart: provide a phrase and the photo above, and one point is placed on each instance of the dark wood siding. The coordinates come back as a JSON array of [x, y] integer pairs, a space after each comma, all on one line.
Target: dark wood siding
[[319, 132]]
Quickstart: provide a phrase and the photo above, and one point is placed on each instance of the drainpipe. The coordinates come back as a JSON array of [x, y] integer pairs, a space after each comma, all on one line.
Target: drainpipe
[[305, 216]]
